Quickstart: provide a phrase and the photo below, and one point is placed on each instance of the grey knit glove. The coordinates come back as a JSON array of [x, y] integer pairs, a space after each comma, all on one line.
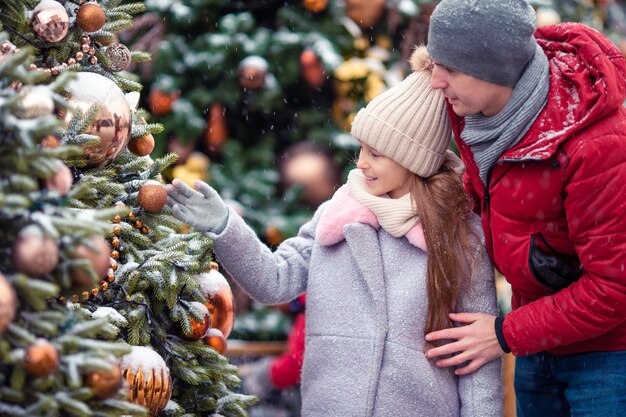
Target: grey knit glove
[[201, 208]]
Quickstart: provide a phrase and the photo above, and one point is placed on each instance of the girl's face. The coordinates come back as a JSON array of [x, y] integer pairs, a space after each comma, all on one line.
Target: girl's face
[[383, 175]]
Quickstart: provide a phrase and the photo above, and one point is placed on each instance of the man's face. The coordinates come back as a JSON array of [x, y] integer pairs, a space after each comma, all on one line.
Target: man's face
[[468, 95]]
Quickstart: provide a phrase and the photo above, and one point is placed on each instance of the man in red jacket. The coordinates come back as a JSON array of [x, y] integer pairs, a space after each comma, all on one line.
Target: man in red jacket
[[539, 121], [272, 373]]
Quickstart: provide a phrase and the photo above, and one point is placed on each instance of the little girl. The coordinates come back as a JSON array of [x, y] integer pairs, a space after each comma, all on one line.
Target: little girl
[[383, 262]]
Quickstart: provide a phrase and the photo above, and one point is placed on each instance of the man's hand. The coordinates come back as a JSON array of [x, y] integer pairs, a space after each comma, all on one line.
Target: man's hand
[[475, 343], [201, 208]]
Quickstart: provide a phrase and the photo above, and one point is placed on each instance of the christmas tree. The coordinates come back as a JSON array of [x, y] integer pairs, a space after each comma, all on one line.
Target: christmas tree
[[106, 307]]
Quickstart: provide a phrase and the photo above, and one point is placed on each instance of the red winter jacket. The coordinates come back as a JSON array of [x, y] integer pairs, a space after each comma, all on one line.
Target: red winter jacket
[[285, 370], [560, 194]]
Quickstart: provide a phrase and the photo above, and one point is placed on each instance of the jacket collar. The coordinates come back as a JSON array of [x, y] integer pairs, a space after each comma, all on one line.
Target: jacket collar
[[343, 209]]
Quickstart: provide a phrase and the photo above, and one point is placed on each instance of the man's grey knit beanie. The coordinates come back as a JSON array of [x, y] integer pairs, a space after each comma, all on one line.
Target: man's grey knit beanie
[[491, 40]]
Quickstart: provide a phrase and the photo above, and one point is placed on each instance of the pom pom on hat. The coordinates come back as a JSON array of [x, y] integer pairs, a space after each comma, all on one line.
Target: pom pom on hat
[[408, 123], [420, 60]]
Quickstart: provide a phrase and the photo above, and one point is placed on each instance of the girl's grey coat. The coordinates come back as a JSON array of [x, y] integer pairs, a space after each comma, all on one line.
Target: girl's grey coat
[[366, 309]]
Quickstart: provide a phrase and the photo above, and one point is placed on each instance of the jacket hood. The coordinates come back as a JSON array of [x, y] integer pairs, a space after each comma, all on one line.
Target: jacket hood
[[587, 82]]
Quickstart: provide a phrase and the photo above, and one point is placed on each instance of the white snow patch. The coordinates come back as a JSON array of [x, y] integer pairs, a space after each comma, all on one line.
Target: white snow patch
[[212, 282], [145, 359]]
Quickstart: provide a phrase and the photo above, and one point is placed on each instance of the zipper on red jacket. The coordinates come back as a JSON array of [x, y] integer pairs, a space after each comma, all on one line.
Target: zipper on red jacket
[[487, 212]]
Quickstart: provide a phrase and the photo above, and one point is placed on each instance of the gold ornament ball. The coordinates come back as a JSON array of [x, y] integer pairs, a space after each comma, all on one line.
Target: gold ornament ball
[[41, 358], [152, 196], [61, 181], [6, 49], [142, 146], [90, 17], [50, 21], [317, 173], [8, 303], [97, 251], [105, 384], [113, 121], [35, 101], [147, 378], [119, 57], [34, 253]]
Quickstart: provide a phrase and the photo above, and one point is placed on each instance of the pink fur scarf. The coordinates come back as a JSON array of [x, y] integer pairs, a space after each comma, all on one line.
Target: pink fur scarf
[[344, 209]]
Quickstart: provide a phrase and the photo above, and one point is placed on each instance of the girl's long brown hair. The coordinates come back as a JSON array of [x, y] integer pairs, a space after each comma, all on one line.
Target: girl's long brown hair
[[444, 212]]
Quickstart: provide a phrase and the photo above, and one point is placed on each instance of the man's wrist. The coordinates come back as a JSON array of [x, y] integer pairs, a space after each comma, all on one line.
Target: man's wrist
[[500, 335]]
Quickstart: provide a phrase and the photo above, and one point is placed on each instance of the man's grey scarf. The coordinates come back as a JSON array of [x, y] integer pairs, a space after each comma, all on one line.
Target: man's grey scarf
[[490, 137]]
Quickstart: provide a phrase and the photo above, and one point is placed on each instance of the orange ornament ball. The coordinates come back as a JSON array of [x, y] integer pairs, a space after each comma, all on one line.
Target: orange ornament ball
[[198, 328], [252, 72], [161, 102], [219, 300], [315, 6], [41, 358], [365, 13], [105, 384], [90, 17], [142, 146], [273, 235], [215, 339], [217, 129], [308, 57], [152, 196]]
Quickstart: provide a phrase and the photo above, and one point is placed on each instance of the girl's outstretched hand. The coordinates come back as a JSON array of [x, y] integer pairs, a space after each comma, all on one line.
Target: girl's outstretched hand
[[473, 345], [201, 208]]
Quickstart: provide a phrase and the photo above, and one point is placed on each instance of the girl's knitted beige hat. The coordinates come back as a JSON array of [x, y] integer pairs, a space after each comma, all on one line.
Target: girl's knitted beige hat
[[408, 123]]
